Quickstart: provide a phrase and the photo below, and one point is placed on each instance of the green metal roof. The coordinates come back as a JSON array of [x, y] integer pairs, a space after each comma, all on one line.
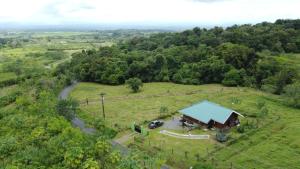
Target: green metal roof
[[205, 111]]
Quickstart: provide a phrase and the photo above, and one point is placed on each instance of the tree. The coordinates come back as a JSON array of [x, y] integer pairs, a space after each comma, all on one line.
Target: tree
[[104, 153], [234, 77], [275, 84], [134, 84], [90, 164], [239, 56], [67, 108], [292, 93], [73, 157]]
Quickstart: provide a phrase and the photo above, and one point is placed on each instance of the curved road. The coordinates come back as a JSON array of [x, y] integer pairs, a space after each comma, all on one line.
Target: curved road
[[63, 95], [77, 122]]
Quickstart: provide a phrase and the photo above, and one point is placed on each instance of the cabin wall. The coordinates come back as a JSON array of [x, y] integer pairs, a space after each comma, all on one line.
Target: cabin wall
[[192, 120], [231, 122]]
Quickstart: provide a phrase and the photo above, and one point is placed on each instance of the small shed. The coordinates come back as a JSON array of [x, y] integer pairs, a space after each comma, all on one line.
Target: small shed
[[210, 115]]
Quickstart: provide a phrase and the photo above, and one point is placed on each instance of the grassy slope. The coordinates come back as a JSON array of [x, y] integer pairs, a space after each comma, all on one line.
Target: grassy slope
[[275, 144], [291, 60]]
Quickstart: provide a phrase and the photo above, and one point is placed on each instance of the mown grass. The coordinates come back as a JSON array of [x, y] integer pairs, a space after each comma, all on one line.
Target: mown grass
[[124, 107], [273, 144]]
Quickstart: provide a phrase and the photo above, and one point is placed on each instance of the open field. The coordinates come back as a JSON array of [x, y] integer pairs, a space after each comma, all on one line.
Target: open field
[[25, 45], [277, 136], [30, 52], [121, 104]]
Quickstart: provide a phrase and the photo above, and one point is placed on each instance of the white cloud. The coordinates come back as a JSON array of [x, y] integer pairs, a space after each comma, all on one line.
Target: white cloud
[[143, 11]]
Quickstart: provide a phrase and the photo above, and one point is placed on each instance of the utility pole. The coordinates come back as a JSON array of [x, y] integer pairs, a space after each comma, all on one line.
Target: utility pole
[[102, 100]]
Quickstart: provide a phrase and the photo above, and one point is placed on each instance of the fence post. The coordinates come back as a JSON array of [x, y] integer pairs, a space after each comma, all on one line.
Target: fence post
[[231, 166]]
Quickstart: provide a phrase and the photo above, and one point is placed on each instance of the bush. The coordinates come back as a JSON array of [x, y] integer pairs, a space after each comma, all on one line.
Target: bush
[[241, 129], [99, 124], [134, 84], [292, 94]]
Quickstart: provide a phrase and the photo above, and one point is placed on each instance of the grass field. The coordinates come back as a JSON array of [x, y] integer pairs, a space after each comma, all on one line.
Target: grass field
[[276, 138], [31, 44], [121, 104]]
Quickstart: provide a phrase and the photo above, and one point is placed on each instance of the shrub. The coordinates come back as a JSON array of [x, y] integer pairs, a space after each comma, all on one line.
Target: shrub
[[134, 84], [292, 94], [241, 129]]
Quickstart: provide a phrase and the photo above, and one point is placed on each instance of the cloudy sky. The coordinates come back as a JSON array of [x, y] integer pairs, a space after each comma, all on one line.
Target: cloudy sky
[[146, 11]]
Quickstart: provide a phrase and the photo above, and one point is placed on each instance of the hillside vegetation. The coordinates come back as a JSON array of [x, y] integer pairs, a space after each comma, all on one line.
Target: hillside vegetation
[[246, 55]]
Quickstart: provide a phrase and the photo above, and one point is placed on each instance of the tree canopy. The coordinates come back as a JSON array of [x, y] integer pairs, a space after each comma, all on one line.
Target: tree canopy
[[232, 56]]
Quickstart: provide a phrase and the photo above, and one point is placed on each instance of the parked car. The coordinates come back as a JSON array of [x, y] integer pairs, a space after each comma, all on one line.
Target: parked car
[[154, 124]]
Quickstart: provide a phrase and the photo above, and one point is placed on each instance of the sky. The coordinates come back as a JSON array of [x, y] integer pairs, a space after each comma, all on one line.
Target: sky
[[211, 12]]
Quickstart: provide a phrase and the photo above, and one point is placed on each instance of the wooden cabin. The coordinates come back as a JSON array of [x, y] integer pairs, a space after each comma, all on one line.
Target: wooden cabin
[[210, 115]]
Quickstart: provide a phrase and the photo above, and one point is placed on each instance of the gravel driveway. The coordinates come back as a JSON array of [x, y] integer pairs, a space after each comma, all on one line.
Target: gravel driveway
[[173, 124]]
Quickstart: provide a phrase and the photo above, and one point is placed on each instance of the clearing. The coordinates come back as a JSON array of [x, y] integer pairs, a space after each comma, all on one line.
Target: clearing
[[275, 137]]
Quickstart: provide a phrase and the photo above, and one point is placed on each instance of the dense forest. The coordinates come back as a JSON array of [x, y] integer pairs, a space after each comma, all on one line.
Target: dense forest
[[234, 56]]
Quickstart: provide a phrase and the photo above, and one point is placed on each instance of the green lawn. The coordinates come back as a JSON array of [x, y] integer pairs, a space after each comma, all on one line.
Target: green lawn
[[275, 144], [123, 107]]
